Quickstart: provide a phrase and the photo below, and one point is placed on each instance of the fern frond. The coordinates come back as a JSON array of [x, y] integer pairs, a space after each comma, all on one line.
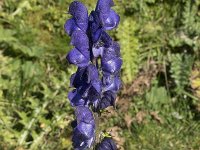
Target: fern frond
[[190, 18], [130, 49], [180, 70]]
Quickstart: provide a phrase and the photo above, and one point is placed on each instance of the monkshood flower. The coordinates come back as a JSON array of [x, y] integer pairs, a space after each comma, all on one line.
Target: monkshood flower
[[84, 128], [80, 55], [79, 20], [103, 18], [77, 27], [107, 144], [88, 86], [93, 84]]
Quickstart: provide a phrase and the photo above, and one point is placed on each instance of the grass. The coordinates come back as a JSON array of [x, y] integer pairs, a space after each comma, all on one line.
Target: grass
[[141, 124], [160, 49]]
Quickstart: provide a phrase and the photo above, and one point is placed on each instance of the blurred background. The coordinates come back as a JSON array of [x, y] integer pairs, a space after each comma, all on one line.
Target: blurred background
[[158, 107]]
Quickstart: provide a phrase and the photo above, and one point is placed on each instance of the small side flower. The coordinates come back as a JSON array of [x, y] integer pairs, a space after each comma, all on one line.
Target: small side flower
[[106, 144]]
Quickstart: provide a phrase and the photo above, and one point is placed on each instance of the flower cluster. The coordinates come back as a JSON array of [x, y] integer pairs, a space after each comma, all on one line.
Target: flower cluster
[[97, 80]]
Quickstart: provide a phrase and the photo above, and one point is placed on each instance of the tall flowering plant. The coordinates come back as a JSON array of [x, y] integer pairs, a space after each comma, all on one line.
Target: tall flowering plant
[[97, 79]]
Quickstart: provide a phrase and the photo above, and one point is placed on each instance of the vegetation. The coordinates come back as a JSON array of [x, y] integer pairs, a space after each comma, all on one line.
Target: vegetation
[[159, 104]]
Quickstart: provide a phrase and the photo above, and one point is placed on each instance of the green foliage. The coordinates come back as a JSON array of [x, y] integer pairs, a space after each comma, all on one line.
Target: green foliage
[[157, 98], [34, 76], [129, 49], [180, 70], [190, 18]]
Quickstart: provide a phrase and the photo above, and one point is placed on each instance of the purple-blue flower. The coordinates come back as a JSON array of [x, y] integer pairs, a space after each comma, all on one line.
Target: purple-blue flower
[[84, 128], [102, 19], [107, 144], [79, 20], [107, 99], [88, 86]]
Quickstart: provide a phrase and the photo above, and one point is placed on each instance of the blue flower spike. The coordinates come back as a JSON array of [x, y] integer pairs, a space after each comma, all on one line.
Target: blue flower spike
[[94, 86]]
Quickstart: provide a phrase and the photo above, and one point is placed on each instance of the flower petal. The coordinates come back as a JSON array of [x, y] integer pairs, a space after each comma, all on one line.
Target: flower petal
[[71, 26], [112, 66], [84, 75], [110, 21], [94, 21], [84, 132], [78, 79], [107, 144], [77, 58], [97, 51], [95, 26], [92, 73], [107, 100], [96, 35], [84, 114], [80, 40], [83, 136], [76, 99], [104, 5], [80, 14], [106, 39], [97, 85], [86, 129], [93, 94], [111, 52], [111, 83], [78, 11]]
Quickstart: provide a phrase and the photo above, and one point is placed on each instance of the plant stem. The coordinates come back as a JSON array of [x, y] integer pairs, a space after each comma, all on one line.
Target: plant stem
[[97, 140]]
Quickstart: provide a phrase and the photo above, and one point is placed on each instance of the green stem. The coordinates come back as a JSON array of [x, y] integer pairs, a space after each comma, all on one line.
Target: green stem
[[190, 95], [96, 117]]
